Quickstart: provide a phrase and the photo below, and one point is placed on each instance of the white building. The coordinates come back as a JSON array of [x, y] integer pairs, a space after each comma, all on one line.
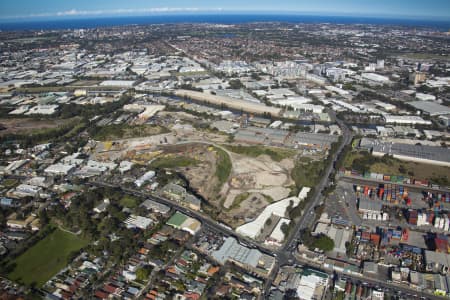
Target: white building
[[144, 178], [376, 78], [277, 236], [59, 169], [411, 120], [425, 97], [134, 221], [254, 228], [118, 83], [42, 110]]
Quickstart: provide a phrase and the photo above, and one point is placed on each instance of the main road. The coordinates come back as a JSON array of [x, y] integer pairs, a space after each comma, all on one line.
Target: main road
[[309, 215]]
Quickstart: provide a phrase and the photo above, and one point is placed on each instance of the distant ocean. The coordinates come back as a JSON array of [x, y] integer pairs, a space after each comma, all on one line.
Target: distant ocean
[[213, 18]]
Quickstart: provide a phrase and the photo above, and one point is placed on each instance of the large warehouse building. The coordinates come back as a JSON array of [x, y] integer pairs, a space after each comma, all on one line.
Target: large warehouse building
[[232, 103], [417, 153]]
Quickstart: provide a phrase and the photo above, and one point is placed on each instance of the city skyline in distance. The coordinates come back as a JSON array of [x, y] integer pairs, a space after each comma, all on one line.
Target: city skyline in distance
[[23, 10]]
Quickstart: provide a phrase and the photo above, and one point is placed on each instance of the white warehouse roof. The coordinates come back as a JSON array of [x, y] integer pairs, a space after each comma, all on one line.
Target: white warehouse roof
[[254, 228]]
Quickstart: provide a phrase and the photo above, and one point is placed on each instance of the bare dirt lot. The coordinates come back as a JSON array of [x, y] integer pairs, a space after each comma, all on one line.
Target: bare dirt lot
[[260, 174], [23, 125], [261, 179], [236, 185], [201, 174]]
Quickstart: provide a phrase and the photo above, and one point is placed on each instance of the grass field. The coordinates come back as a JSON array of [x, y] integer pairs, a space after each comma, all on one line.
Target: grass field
[[223, 166], [172, 161], [125, 131], [277, 154], [42, 261]]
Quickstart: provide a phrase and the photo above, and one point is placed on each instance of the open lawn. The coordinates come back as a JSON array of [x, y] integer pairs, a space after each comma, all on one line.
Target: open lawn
[[277, 154], [125, 131], [43, 260]]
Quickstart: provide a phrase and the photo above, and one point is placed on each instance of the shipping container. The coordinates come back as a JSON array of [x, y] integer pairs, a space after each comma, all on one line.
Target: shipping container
[[430, 217], [437, 220], [348, 287], [413, 217], [405, 235], [359, 292], [396, 234]]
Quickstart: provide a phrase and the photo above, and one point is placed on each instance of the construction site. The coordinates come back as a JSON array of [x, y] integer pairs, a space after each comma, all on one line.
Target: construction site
[[237, 179]]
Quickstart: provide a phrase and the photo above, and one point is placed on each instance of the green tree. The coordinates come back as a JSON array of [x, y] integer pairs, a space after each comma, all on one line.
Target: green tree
[[236, 84], [323, 243], [143, 273]]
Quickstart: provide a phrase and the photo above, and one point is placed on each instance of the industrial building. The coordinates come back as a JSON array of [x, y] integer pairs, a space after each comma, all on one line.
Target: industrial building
[[247, 258], [340, 236], [232, 103], [411, 120], [155, 206], [320, 140], [267, 136], [144, 178], [312, 285], [42, 110], [418, 153], [277, 236], [59, 169], [254, 228], [375, 78], [430, 108], [118, 83]]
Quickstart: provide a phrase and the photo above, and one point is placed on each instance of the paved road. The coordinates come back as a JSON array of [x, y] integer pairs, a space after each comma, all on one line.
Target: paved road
[[204, 219], [308, 217], [284, 254]]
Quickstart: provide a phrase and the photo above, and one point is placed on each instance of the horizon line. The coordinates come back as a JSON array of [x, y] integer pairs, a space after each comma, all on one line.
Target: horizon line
[[76, 15]]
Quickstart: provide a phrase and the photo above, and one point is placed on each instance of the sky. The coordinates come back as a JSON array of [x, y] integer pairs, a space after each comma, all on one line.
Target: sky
[[53, 9]]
